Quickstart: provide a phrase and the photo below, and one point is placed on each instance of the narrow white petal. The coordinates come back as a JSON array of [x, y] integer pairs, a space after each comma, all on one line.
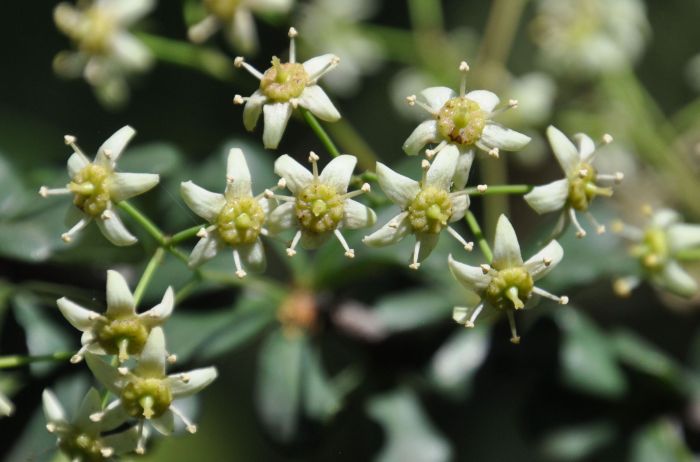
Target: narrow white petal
[[79, 317], [317, 101], [683, 236], [506, 250], [400, 189], [295, 174], [675, 279], [548, 198], [128, 11], [107, 375], [276, 117], [130, 51], [238, 173], [442, 169], [252, 110], [505, 139], [191, 382], [472, 277], [204, 203], [253, 256], [151, 362], [120, 300], [283, 217], [436, 97], [242, 31], [114, 146], [161, 312], [487, 100], [76, 163], [317, 64], [460, 204], [358, 215], [114, 230], [423, 134], [665, 218], [338, 172], [53, 411], [586, 146], [122, 186], [396, 229], [205, 249], [165, 423], [564, 150], [464, 166], [545, 260]]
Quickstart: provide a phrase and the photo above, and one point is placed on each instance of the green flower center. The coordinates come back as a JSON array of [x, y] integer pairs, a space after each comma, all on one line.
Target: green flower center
[[509, 288], [284, 81], [81, 446], [461, 121], [123, 337], [94, 33], [90, 189], [319, 208], [240, 221], [224, 9], [582, 188], [653, 251], [149, 397], [430, 210]]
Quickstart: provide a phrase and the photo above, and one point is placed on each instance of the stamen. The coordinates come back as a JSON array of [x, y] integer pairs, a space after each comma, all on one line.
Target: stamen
[[46, 192], [425, 165], [623, 287], [171, 358], [68, 235], [616, 177], [512, 295], [628, 232], [350, 253], [106, 215], [97, 416], [416, 250], [313, 159], [123, 345], [147, 403], [607, 138], [107, 452], [563, 300], [327, 68], [191, 428], [202, 232], [240, 62], [141, 442], [482, 188], [430, 153], [468, 246], [290, 250], [475, 314], [411, 100], [463, 68], [282, 183], [495, 153], [514, 338], [123, 370], [600, 229], [70, 140], [364, 189], [240, 273], [238, 99], [485, 268], [292, 45], [546, 261], [76, 358], [580, 232]]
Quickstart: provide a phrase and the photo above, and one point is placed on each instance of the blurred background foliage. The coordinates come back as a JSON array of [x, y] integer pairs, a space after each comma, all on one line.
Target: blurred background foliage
[[359, 360]]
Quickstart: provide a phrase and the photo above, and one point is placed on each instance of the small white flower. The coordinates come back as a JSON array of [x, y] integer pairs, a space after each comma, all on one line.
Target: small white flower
[[575, 192], [236, 18], [427, 207], [120, 330], [508, 282], [6, 406], [320, 205], [81, 438], [656, 247], [96, 187], [236, 217], [146, 392], [285, 86], [461, 123], [107, 52]]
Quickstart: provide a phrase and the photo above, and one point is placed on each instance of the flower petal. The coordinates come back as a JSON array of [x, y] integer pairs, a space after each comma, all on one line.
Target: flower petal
[[130, 51], [53, 410], [276, 117], [548, 198], [238, 181], [460, 204], [120, 300], [505, 139], [79, 317], [252, 110], [664, 218], [6, 406], [338, 172], [317, 101], [76, 163], [400, 189], [128, 11], [396, 229], [683, 236], [317, 64], [204, 203], [242, 32], [122, 186], [122, 442], [472, 277], [253, 256], [675, 279], [564, 150], [358, 215], [161, 312], [506, 250], [92, 403], [487, 100], [436, 97], [283, 217], [271, 6], [545, 260], [151, 362], [464, 166], [114, 145], [442, 169], [165, 423], [191, 382], [113, 416], [423, 134], [295, 174], [586, 146], [113, 229], [107, 375], [205, 250]]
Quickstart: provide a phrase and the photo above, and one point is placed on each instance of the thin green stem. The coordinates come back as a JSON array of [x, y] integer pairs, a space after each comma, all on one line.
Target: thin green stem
[[184, 235], [479, 236], [501, 189], [148, 273], [320, 132], [145, 223], [19, 360]]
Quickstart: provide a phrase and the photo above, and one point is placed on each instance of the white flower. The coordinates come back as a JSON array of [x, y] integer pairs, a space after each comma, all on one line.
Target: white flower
[[320, 205], [285, 86], [657, 247], [96, 187], [120, 330], [236, 18], [6, 406], [461, 123], [81, 438], [147, 392], [576, 191], [107, 52], [236, 217], [508, 282], [427, 207]]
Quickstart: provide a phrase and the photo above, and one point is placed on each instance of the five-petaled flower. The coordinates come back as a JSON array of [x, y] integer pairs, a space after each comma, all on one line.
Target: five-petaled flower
[[461, 123], [508, 282], [82, 439], [120, 330], [320, 205], [146, 392], [283, 87], [96, 187], [236, 217], [579, 188], [427, 207]]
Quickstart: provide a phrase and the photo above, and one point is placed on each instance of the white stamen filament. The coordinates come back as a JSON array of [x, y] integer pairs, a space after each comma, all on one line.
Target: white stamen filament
[[46, 192], [326, 69], [463, 68], [430, 153], [240, 62], [475, 314], [514, 338], [563, 300], [70, 140], [292, 45], [240, 273], [468, 246], [189, 426], [580, 232], [350, 253], [313, 159], [290, 250], [600, 229], [141, 444], [68, 235], [416, 250]]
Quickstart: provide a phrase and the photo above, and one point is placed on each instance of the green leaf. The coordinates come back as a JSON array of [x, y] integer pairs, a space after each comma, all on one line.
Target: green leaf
[[412, 309], [577, 442], [12, 191], [159, 157], [321, 399], [661, 441], [409, 435]]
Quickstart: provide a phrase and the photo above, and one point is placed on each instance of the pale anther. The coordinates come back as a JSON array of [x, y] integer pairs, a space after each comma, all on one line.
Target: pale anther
[[607, 138], [485, 268], [482, 188], [463, 66], [69, 139], [238, 99], [292, 32], [411, 100], [238, 61], [495, 152]]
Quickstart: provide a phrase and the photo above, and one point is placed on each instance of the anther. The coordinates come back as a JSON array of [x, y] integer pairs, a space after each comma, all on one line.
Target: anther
[[619, 176], [51, 427], [292, 32], [366, 187], [171, 358], [582, 173], [65, 237], [607, 138], [411, 100], [313, 157], [482, 188], [425, 164], [485, 268], [44, 191], [495, 153], [202, 232], [123, 370], [546, 261], [106, 215], [97, 416], [463, 66], [107, 452], [238, 99], [238, 62], [563, 300], [69, 139], [282, 183], [513, 103]]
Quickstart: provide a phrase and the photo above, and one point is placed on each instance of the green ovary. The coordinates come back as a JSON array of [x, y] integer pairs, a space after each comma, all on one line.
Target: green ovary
[[509, 288], [653, 251], [582, 188], [283, 81], [91, 190], [319, 208], [224, 9], [146, 397], [461, 121], [430, 210], [81, 446], [240, 221], [123, 337]]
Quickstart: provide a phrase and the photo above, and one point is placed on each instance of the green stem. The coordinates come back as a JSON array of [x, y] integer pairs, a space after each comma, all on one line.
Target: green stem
[[687, 254], [19, 360], [320, 132], [501, 189], [148, 273], [184, 235], [479, 236], [351, 141], [145, 223]]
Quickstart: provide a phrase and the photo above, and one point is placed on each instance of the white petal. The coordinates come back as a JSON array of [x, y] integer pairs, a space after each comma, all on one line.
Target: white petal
[[338, 172], [487, 100], [253, 256], [442, 169], [423, 134], [317, 64], [242, 32], [276, 117], [130, 51], [204, 203], [564, 150], [128, 11], [252, 109], [464, 166], [122, 186], [683, 236], [113, 229], [53, 411], [92, 403], [122, 442], [196, 380], [548, 198], [506, 250], [317, 101], [79, 317], [675, 279], [161, 312], [283, 217], [120, 301], [271, 6], [400, 189], [114, 145], [107, 375], [396, 229], [472, 277], [206, 249], [165, 423], [505, 139], [238, 171], [358, 215], [112, 417], [460, 204], [665, 218], [428, 241], [586, 146], [545, 260], [436, 97], [295, 174], [6, 406], [151, 362], [76, 163]]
